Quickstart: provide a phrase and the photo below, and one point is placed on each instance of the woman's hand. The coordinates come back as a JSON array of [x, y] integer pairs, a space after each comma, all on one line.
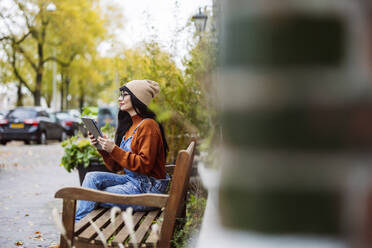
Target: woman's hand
[[107, 145], [93, 140]]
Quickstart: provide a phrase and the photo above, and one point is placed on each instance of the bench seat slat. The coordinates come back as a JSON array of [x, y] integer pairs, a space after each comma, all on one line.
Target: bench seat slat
[[153, 238], [84, 222], [145, 226], [112, 227], [123, 234], [90, 232]]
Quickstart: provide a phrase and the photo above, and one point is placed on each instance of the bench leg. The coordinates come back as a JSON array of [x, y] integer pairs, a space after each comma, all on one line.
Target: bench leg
[[68, 220]]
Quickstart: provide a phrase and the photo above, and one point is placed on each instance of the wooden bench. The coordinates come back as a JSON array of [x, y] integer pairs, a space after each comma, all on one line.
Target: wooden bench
[[171, 206]]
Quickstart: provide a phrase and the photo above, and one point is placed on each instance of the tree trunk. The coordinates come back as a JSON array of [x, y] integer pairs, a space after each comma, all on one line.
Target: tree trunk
[[36, 95], [19, 95], [81, 101], [81, 95], [37, 91], [63, 92], [39, 75], [68, 80]]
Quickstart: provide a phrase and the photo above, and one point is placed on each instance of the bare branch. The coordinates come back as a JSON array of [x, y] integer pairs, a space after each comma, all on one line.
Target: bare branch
[[22, 8], [13, 62], [5, 38], [28, 58], [62, 63], [23, 38]]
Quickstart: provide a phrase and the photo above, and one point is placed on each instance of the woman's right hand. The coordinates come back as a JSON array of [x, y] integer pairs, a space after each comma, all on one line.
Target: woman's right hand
[[93, 140]]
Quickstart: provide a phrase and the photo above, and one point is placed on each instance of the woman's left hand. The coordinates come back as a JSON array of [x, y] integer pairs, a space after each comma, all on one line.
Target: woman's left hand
[[107, 145]]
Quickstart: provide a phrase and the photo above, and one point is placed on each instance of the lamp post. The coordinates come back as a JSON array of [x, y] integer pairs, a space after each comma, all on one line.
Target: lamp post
[[51, 8], [200, 20]]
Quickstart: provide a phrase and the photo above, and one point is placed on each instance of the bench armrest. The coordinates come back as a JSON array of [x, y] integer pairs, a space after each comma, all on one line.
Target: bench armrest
[[78, 193]]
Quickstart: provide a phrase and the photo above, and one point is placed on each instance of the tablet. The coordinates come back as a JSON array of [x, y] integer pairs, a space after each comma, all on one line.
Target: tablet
[[92, 127]]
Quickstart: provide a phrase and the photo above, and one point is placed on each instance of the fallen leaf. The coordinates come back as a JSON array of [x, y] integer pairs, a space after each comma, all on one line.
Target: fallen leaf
[[19, 243], [37, 232], [27, 215], [37, 237]]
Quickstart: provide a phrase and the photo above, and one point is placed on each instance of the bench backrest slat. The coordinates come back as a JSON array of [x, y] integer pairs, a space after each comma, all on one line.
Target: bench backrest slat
[[177, 193]]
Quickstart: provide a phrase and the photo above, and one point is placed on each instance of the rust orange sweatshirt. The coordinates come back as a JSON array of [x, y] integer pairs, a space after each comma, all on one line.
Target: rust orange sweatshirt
[[147, 156]]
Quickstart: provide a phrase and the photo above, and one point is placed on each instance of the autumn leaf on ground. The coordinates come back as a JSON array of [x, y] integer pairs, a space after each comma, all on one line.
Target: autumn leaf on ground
[[19, 243], [37, 237]]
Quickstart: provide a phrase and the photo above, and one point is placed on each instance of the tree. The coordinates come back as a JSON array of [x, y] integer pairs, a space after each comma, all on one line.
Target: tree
[[88, 81], [42, 31], [198, 76]]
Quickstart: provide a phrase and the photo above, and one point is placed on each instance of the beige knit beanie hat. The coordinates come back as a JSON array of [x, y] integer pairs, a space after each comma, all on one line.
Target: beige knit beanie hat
[[144, 90]]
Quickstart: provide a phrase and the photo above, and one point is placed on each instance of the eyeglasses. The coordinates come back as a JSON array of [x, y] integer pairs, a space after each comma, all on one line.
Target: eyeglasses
[[122, 95]]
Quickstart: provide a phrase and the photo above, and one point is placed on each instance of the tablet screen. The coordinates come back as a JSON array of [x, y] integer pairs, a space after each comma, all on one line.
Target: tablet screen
[[92, 127]]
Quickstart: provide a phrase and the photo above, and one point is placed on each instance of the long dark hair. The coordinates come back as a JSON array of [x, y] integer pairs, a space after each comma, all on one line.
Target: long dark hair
[[125, 121]]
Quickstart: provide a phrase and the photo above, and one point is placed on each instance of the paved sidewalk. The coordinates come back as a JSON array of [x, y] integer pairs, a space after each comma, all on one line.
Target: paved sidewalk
[[29, 177]]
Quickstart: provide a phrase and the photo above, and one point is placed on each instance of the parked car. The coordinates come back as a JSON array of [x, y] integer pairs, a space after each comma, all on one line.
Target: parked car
[[70, 124], [77, 115], [30, 124], [107, 115], [74, 112]]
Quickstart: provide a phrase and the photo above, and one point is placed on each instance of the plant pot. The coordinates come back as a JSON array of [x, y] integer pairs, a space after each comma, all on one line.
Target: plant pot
[[94, 165]]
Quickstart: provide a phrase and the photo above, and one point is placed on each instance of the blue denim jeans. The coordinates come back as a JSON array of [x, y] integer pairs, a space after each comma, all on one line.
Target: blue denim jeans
[[133, 183]]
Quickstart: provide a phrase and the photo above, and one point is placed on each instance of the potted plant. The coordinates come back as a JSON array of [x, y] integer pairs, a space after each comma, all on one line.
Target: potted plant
[[80, 154]]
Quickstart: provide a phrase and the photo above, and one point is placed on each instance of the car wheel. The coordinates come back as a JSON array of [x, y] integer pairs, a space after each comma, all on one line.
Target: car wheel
[[63, 136], [3, 142], [27, 142], [42, 139]]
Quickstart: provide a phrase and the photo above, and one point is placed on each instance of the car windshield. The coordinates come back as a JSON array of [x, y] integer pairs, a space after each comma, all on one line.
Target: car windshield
[[63, 116], [22, 114]]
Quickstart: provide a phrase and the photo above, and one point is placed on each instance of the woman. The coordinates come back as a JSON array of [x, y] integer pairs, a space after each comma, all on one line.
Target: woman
[[140, 150]]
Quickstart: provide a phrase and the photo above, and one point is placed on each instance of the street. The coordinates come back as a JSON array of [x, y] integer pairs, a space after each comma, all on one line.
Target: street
[[29, 177]]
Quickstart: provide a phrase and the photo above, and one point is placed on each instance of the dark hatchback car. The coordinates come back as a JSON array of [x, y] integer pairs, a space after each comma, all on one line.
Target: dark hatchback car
[[30, 124], [70, 124]]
